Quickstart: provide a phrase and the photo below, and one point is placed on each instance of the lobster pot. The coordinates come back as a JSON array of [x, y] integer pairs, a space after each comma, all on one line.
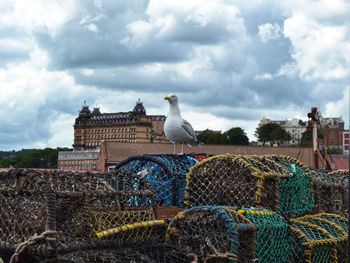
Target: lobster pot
[[320, 237], [213, 233], [272, 234], [279, 183], [217, 233], [143, 242], [57, 211], [331, 191], [164, 173]]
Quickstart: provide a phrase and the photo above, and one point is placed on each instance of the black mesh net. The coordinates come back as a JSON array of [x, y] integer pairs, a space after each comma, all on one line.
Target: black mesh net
[[54, 216], [331, 191], [279, 183]]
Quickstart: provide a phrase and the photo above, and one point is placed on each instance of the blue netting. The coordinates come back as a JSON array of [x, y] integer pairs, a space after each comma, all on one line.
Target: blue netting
[[136, 185], [165, 173], [230, 224]]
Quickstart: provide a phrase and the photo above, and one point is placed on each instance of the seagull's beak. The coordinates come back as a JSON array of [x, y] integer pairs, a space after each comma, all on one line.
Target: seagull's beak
[[167, 98]]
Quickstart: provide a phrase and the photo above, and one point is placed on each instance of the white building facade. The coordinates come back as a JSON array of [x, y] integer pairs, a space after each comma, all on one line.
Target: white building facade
[[295, 127]]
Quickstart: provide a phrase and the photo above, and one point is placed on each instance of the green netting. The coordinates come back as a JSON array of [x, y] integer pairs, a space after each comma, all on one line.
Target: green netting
[[319, 238], [322, 254], [295, 195], [271, 237]]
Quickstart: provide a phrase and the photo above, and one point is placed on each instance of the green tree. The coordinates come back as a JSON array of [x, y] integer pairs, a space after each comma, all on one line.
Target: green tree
[[211, 137], [236, 136], [271, 132], [306, 137], [280, 135]]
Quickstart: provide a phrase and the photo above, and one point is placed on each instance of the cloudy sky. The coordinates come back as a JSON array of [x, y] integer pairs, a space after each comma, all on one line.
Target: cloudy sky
[[231, 62]]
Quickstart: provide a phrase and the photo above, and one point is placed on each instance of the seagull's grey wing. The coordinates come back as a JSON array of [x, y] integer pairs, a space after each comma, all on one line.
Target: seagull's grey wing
[[189, 129]]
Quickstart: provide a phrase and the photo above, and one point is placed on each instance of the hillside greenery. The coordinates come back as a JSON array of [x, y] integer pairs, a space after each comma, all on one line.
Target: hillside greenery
[[30, 158]]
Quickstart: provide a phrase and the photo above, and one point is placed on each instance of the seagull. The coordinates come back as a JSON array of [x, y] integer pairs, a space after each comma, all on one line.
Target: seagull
[[176, 129]]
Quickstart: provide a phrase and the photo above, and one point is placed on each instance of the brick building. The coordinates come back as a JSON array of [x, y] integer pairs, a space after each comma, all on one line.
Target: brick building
[[78, 160], [332, 129], [90, 128], [346, 142]]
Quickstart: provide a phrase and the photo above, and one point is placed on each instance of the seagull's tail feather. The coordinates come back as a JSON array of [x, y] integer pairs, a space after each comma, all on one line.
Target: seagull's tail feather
[[194, 143]]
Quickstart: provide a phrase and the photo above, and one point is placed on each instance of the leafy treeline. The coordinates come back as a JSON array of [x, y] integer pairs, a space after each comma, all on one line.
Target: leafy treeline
[[14, 153], [236, 136], [272, 132], [31, 158]]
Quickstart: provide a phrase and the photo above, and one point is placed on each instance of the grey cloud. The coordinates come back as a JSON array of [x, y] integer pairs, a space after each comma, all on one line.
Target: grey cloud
[[98, 38], [245, 114], [135, 79], [8, 55], [74, 45], [14, 45]]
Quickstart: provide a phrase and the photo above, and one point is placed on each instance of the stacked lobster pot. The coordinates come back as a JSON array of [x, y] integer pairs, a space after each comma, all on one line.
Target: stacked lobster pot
[[279, 183], [275, 193], [55, 216]]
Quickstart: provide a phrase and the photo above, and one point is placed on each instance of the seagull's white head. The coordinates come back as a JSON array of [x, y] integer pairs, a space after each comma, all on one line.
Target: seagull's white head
[[172, 99]]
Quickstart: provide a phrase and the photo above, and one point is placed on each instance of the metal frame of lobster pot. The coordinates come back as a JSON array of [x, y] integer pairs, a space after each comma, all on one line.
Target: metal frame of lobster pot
[[227, 234], [279, 183]]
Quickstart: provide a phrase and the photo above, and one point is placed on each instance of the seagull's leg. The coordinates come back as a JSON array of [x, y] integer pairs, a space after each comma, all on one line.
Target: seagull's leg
[[182, 149], [174, 148]]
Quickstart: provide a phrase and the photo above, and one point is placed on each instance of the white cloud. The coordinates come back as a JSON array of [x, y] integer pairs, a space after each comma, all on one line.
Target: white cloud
[[61, 130], [320, 10], [320, 49], [265, 76], [340, 107], [43, 14], [269, 32], [32, 98]]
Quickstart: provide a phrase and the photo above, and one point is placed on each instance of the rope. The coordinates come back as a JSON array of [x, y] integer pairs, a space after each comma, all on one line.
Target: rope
[[31, 241], [223, 256], [116, 230]]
